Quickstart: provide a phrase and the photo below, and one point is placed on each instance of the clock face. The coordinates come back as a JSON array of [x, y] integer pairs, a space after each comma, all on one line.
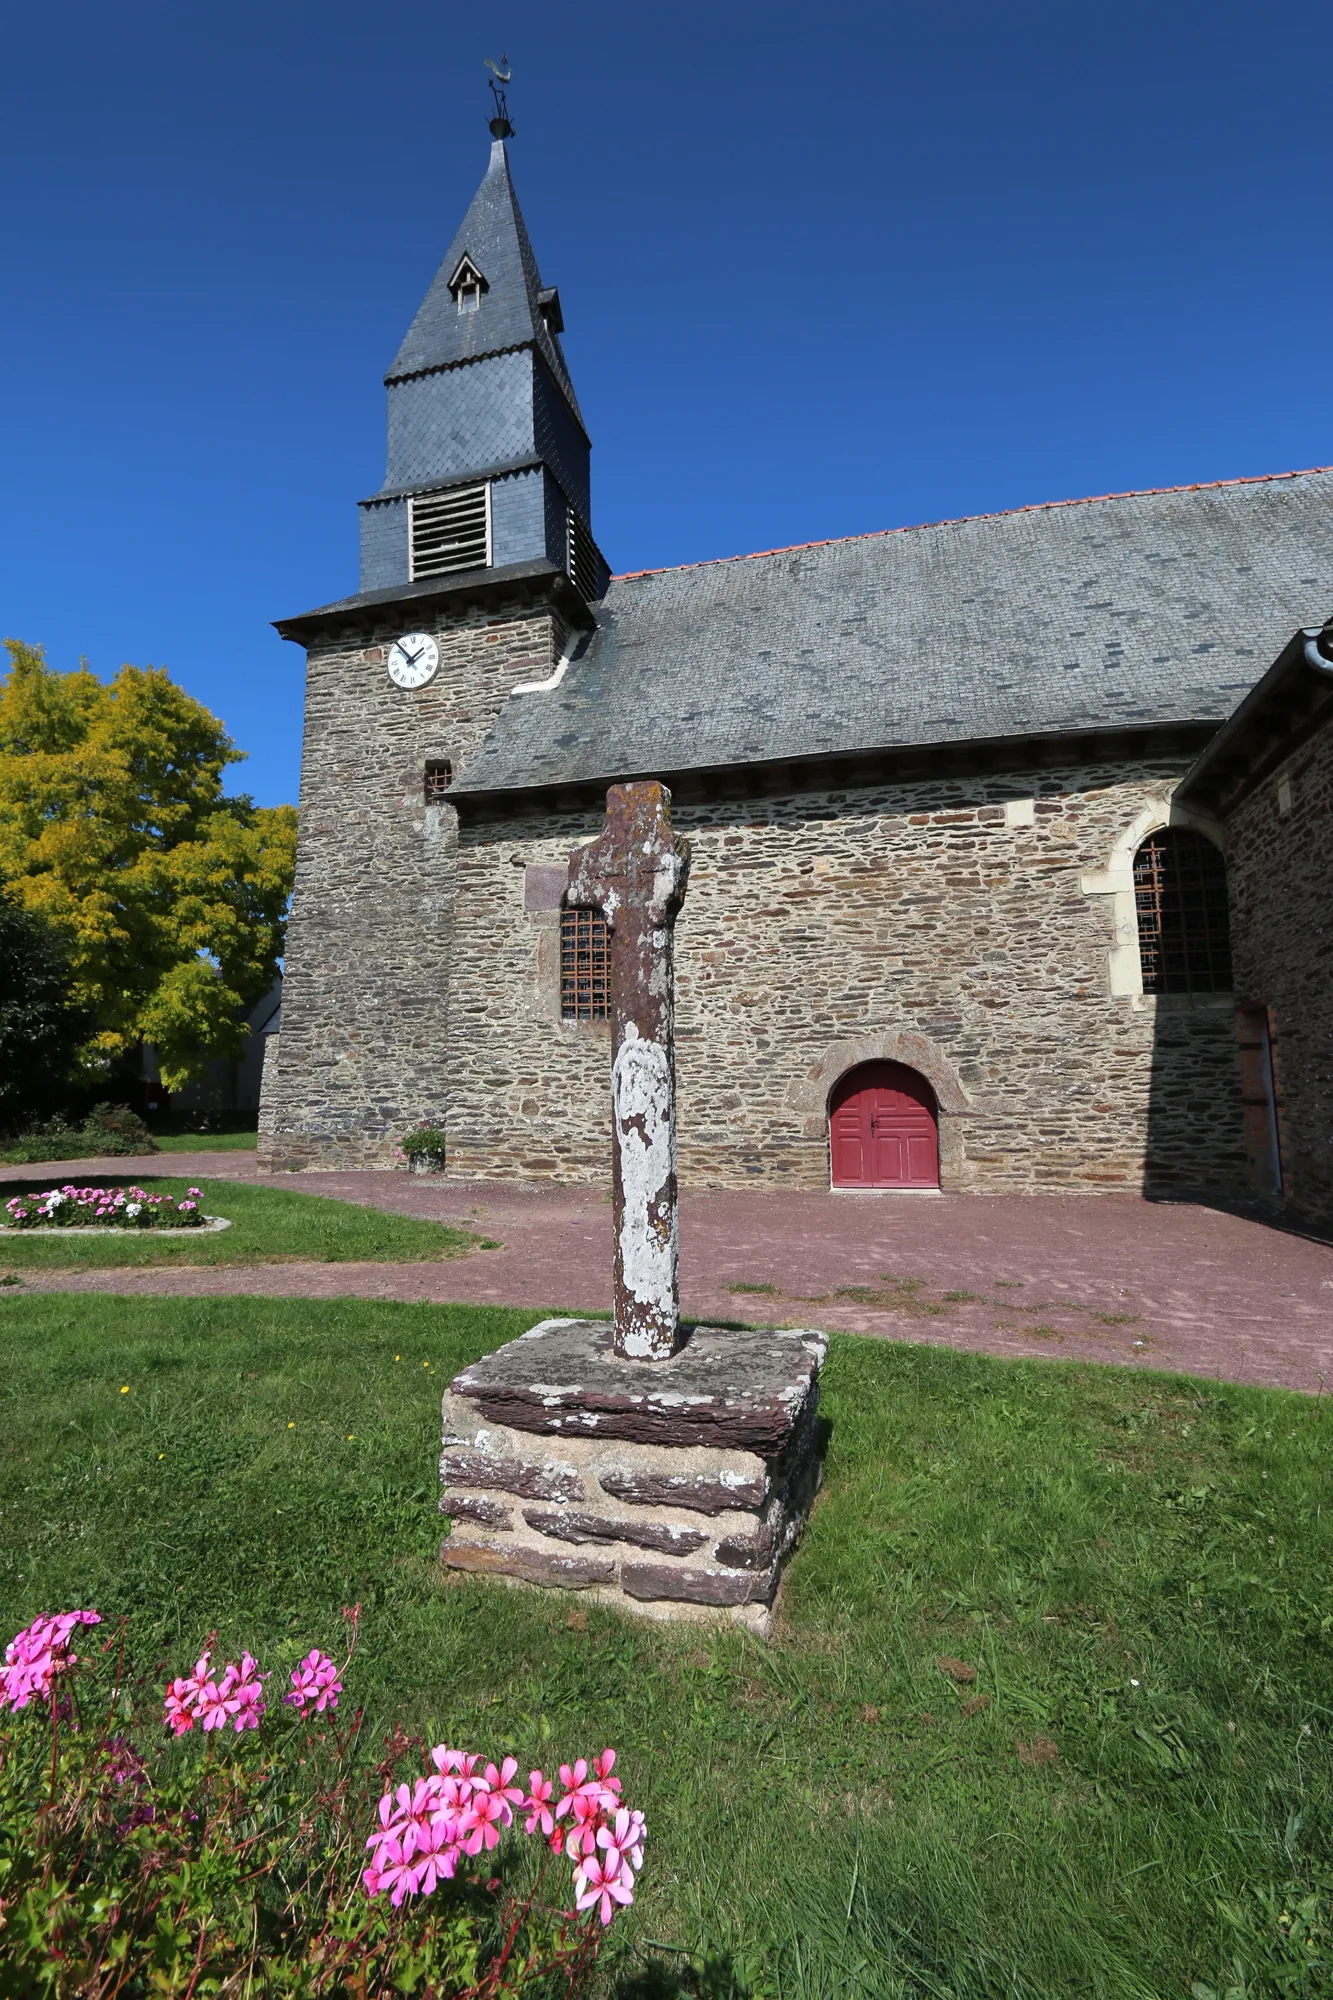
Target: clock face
[[413, 660]]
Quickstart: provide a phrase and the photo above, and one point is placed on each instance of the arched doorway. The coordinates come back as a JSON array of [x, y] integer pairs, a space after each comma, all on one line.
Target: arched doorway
[[884, 1129]]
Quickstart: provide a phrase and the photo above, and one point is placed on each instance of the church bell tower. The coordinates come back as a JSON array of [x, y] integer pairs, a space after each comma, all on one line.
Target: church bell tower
[[479, 573]]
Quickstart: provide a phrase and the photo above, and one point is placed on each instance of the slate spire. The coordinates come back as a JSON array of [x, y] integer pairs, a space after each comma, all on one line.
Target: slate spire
[[487, 463], [513, 309]]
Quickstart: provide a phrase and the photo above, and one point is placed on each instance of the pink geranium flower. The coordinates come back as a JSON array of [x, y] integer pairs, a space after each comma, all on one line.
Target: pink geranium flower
[[482, 1821], [572, 1776], [396, 1810], [462, 1808], [210, 1705], [243, 1693], [500, 1782], [435, 1856], [35, 1656], [601, 1885], [315, 1683], [390, 1869], [537, 1805], [178, 1710], [445, 1759], [181, 1710], [623, 1839], [587, 1812], [584, 1795]]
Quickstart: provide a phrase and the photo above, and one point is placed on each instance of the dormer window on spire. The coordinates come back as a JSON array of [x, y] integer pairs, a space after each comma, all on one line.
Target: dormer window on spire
[[467, 286]]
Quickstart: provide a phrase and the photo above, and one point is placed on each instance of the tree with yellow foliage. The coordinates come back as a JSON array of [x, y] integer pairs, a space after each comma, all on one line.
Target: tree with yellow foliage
[[115, 830]]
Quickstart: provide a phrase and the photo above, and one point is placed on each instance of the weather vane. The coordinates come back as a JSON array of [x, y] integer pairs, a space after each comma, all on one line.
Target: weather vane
[[501, 74]]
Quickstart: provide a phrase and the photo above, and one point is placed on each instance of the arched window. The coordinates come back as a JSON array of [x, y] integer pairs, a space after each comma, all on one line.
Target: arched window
[[1180, 895], [585, 966]]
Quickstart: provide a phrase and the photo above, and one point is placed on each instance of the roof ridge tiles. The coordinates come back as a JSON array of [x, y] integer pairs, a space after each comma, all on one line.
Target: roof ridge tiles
[[961, 520]]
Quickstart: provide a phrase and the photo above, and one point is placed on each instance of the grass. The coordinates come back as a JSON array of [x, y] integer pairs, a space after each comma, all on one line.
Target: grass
[[1135, 1568], [206, 1142], [268, 1225], [228, 1131]]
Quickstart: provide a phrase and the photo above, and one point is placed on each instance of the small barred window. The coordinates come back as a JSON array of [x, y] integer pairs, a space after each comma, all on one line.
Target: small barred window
[[585, 966], [439, 777], [1180, 894]]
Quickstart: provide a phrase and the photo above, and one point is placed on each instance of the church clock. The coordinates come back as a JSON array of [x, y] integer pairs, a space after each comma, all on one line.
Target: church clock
[[413, 660]]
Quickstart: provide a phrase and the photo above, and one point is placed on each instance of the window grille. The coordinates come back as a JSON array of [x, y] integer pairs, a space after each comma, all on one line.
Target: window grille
[[450, 531], [585, 966], [1180, 895], [439, 777], [582, 558]]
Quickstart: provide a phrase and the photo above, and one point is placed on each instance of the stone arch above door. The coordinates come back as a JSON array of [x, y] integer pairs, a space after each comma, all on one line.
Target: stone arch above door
[[810, 1095]]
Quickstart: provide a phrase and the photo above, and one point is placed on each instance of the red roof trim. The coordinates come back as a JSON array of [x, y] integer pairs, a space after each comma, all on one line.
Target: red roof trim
[[1004, 514]]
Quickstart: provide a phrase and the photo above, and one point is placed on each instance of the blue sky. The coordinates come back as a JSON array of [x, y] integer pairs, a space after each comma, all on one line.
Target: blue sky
[[823, 270]]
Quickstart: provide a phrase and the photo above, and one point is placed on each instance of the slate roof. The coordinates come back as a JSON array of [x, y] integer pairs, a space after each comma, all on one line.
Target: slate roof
[[1132, 610], [494, 236]]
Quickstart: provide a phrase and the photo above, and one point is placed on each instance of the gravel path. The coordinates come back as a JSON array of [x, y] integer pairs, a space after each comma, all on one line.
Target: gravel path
[[1102, 1278]]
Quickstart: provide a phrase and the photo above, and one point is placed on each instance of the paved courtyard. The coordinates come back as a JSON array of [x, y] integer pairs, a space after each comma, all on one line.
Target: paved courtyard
[[1100, 1278]]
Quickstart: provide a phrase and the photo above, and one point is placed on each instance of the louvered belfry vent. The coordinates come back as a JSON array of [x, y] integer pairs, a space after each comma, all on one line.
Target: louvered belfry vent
[[450, 531], [582, 558]]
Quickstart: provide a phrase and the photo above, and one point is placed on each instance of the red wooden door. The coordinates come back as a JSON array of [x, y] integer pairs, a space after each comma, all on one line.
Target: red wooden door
[[884, 1129]]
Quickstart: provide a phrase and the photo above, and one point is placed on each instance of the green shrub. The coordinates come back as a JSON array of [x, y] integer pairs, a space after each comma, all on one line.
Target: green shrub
[[107, 1130], [423, 1141]]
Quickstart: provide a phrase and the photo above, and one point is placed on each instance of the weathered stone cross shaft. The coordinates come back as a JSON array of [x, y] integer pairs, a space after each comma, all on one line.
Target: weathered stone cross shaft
[[635, 873]]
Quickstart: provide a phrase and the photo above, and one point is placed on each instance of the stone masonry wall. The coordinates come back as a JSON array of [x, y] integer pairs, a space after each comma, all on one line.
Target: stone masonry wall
[[1280, 856], [361, 1052], [921, 922]]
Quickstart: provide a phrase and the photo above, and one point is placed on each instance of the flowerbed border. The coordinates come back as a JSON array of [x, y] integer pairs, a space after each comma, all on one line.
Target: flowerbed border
[[212, 1225]]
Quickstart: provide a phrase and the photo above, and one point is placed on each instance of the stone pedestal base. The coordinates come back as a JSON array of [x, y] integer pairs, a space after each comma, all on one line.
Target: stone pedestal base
[[672, 1488]]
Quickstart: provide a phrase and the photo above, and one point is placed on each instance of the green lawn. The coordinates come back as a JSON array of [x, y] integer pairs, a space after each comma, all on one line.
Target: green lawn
[[267, 1225], [1136, 1566], [206, 1142]]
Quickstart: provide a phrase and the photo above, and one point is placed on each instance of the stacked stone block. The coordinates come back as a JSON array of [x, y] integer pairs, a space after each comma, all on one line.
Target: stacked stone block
[[672, 1488]]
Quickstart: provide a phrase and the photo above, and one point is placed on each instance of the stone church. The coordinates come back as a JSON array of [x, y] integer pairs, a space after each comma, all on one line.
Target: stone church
[[961, 907]]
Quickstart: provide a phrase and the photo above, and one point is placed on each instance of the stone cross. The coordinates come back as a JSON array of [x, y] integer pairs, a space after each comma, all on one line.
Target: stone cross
[[635, 874]]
